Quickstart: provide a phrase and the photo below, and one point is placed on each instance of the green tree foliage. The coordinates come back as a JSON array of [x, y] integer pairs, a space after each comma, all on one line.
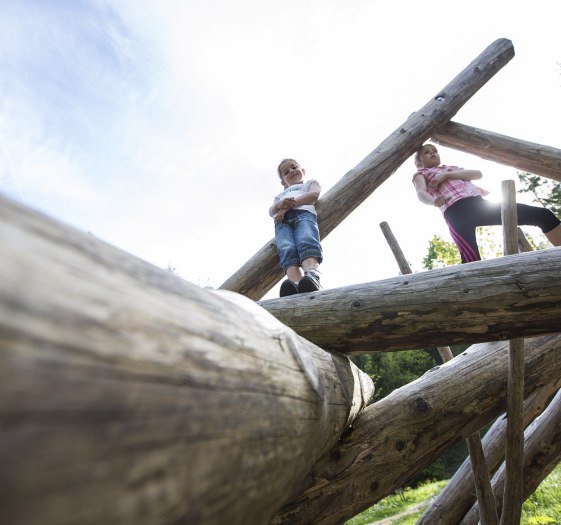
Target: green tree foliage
[[442, 253], [545, 192], [391, 370]]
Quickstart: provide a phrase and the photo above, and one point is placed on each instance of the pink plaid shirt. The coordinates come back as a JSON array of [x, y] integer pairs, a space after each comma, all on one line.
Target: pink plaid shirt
[[451, 189]]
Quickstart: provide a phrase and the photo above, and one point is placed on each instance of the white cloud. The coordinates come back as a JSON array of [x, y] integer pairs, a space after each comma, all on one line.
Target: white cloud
[[158, 126]]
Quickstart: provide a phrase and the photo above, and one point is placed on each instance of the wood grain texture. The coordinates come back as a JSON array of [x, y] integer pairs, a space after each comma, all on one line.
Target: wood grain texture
[[260, 273], [455, 500], [128, 395], [395, 438], [520, 154], [513, 296], [542, 453]]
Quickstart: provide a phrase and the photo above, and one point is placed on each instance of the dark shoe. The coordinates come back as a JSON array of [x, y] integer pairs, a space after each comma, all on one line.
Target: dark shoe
[[310, 282], [288, 287]]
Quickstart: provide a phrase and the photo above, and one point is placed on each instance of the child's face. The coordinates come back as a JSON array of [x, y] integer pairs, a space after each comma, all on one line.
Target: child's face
[[429, 157], [291, 173]]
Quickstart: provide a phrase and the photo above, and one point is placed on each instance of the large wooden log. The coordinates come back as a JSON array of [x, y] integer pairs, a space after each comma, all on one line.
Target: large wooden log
[[262, 271], [455, 500], [542, 453], [520, 154], [394, 439], [513, 296], [128, 395]]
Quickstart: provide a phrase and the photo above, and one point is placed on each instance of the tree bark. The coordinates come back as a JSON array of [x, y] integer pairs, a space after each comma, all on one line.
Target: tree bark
[[520, 154], [258, 275], [455, 500], [513, 296], [479, 467], [542, 453], [395, 438], [128, 395], [514, 454]]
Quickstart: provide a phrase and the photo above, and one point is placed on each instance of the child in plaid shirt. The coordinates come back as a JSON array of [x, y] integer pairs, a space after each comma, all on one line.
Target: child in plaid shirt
[[462, 204]]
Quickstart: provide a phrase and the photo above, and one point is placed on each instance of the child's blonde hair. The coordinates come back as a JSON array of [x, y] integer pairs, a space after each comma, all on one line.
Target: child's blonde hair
[[418, 162], [284, 161]]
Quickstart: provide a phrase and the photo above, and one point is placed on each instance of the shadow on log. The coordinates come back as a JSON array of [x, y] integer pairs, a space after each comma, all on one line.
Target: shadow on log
[[128, 395], [452, 503], [542, 453], [395, 438], [513, 296]]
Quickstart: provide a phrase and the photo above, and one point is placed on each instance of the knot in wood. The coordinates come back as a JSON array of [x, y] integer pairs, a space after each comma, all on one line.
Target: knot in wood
[[374, 486], [336, 455], [421, 405], [400, 445], [356, 304]]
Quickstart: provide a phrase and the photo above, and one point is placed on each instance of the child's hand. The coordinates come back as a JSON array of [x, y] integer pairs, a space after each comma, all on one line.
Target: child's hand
[[437, 180], [439, 201], [287, 203], [279, 216]]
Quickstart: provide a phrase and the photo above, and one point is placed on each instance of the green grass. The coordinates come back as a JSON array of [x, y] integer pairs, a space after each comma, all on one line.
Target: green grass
[[543, 507]]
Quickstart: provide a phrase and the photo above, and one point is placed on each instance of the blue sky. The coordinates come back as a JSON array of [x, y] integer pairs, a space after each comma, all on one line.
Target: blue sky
[[157, 126]]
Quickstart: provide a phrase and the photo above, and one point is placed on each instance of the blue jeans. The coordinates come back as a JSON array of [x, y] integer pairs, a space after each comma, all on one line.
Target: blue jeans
[[297, 238]]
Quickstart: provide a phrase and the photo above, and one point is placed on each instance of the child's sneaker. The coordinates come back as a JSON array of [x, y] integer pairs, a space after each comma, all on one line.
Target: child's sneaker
[[288, 287], [310, 281]]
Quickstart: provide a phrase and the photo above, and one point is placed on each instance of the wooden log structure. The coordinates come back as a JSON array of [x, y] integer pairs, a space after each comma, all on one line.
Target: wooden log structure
[[457, 497], [481, 479], [514, 455], [259, 274], [129, 396], [520, 154], [512, 296], [542, 453], [395, 438]]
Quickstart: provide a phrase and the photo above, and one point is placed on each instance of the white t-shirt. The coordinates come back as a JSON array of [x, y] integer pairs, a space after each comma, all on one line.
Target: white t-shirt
[[298, 189]]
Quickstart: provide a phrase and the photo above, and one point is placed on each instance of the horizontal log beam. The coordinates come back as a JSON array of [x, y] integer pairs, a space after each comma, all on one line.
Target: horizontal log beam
[[129, 396], [394, 439], [258, 275], [513, 296], [520, 154]]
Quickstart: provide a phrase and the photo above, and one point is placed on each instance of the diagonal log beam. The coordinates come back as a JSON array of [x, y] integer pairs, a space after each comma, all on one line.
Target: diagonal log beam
[[458, 496], [520, 154], [258, 275], [513, 296], [130, 396], [542, 453], [394, 439]]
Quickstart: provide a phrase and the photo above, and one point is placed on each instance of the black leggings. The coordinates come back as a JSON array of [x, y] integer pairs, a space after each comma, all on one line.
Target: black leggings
[[468, 213]]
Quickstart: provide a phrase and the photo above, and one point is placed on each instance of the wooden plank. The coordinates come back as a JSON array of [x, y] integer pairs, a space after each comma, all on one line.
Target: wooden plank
[[520, 154], [514, 456], [129, 396], [397, 437], [259, 274], [508, 297]]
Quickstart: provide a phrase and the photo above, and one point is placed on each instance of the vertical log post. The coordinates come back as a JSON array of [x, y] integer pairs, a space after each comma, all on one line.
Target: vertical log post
[[488, 513], [514, 455]]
